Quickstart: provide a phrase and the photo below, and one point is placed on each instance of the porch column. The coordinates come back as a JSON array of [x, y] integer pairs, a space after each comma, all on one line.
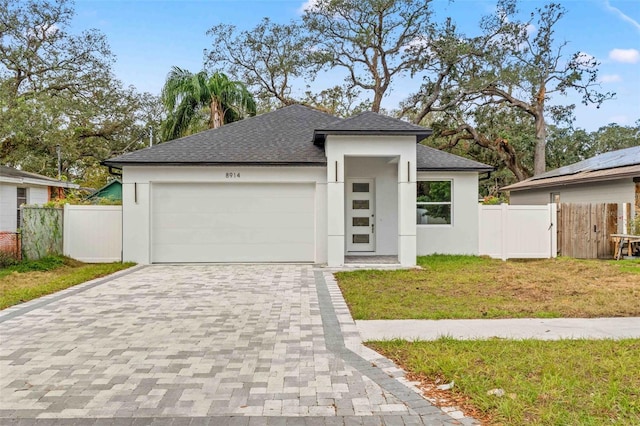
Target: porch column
[[407, 211], [335, 213]]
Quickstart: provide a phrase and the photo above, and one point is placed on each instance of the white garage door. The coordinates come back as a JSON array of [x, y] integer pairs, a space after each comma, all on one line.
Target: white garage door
[[204, 222]]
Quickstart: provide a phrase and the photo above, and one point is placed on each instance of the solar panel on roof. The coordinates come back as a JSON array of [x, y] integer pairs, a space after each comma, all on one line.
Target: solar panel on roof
[[608, 160]]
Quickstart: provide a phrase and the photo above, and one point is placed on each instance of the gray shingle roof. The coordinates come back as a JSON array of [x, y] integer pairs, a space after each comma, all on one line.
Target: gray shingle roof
[[284, 136], [12, 173], [433, 159], [370, 123], [15, 173]]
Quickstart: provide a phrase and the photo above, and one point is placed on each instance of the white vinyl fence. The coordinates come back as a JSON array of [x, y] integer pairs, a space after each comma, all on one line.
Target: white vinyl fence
[[518, 232], [93, 234]]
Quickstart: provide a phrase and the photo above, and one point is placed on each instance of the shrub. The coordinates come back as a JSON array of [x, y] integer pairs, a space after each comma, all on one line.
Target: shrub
[[44, 264], [492, 200], [634, 225], [7, 259]]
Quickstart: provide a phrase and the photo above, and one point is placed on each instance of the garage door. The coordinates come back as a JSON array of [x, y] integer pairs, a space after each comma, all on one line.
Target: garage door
[[203, 222]]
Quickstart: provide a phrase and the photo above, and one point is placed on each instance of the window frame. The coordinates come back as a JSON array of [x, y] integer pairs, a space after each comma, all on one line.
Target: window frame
[[18, 199], [437, 203]]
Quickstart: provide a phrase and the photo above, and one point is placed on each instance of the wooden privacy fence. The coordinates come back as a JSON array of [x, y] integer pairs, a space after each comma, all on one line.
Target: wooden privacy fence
[[518, 232], [584, 229], [93, 233]]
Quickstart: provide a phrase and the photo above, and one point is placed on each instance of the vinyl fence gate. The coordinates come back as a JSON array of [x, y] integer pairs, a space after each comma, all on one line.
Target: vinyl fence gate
[[517, 232]]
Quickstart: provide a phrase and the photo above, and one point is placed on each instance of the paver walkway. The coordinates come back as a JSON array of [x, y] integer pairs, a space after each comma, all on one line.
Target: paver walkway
[[206, 344]]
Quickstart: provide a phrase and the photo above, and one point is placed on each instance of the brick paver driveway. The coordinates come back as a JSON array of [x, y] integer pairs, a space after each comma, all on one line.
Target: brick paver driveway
[[196, 344]]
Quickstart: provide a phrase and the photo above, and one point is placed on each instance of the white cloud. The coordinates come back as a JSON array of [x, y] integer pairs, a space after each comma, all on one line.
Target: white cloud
[[585, 59], [309, 5], [629, 56], [531, 29], [37, 32], [621, 15], [610, 78], [416, 43]]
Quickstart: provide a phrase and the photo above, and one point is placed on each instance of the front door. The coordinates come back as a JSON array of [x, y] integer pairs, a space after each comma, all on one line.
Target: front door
[[360, 215]]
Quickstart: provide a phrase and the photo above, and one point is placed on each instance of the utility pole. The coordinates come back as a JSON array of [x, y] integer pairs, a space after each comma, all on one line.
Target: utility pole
[[150, 137], [59, 162]]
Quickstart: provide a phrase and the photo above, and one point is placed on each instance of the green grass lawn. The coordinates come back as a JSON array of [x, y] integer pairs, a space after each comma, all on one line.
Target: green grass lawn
[[567, 382], [478, 287], [31, 279]]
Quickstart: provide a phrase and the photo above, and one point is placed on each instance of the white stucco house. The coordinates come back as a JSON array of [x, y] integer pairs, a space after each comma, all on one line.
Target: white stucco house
[[18, 187], [298, 185]]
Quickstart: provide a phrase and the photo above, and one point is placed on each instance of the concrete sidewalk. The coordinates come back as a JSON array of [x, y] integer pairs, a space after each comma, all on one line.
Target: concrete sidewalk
[[535, 328]]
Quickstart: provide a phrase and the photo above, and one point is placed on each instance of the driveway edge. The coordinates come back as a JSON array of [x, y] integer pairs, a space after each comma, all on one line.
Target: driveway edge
[[23, 308], [343, 339]]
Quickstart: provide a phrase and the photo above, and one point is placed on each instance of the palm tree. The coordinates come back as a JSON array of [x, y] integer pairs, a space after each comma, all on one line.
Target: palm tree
[[195, 102]]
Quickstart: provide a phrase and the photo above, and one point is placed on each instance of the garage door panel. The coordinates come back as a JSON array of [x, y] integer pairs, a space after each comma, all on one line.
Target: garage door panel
[[243, 220], [236, 253], [197, 190], [233, 222], [223, 236], [237, 205]]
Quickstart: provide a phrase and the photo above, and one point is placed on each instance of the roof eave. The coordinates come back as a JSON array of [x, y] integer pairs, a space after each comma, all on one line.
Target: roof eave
[[38, 182], [544, 183], [320, 135], [456, 169], [120, 164]]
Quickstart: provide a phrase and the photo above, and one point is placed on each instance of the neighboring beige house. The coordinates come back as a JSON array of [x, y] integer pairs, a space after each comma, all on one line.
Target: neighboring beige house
[[612, 177], [18, 187], [298, 185]]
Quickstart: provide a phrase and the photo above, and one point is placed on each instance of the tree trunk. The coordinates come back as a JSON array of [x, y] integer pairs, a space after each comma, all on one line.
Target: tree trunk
[[377, 100], [539, 157], [215, 115], [540, 152]]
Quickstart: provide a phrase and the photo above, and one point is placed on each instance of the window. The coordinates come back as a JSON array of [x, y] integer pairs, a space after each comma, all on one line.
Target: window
[[360, 221], [360, 204], [433, 202], [22, 199], [361, 238], [360, 187]]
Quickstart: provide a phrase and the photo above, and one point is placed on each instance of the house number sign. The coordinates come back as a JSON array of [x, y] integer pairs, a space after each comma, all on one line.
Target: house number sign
[[232, 175]]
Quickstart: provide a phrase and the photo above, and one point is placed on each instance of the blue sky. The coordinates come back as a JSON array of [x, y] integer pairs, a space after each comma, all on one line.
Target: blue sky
[[150, 36]]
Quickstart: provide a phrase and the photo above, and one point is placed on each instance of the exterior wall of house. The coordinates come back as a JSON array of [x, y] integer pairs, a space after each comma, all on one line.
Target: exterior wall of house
[[615, 191], [385, 175], [461, 237], [38, 195], [9, 203], [137, 183], [8, 207], [401, 149]]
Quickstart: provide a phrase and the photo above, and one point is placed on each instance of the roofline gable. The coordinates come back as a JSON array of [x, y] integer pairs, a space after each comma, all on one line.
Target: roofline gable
[[320, 135]]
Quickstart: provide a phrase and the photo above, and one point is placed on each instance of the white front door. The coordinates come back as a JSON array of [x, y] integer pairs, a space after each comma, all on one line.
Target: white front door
[[360, 215]]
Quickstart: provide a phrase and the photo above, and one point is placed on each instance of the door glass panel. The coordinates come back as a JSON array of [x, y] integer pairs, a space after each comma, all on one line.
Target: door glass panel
[[360, 221], [360, 204], [361, 238], [360, 187]]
